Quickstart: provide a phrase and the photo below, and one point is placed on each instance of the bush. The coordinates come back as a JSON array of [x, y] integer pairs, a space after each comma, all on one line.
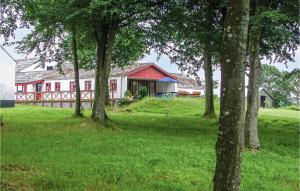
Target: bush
[[125, 101], [127, 93], [143, 92]]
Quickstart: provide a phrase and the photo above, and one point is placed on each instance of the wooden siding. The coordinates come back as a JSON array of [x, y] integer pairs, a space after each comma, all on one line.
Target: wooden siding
[[150, 72]]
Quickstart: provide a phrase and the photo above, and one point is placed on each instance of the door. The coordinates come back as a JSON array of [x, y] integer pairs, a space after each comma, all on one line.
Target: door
[[38, 95], [262, 101], [152, 89]]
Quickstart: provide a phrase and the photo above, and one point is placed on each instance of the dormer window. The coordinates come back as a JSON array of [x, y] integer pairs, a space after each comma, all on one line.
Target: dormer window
[[49, 68]]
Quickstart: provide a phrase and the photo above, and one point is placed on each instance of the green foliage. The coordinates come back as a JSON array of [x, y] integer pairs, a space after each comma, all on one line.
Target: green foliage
[[284, 86], [125, 101], [143, 92], [127, 93], [280, 28], [47, 149], [294, 78], [188, 31]]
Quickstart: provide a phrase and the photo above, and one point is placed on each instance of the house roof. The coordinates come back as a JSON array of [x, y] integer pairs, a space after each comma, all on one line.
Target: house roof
[[144, 66], [25, 63], [68, 71], [268, 93], [186, 82]]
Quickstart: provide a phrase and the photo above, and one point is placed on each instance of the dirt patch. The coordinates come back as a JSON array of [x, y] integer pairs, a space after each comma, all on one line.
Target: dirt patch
[[14, 167], [12, 186]]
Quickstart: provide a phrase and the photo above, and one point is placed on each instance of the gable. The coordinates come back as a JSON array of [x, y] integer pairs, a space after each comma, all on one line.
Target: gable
[[149, 72]]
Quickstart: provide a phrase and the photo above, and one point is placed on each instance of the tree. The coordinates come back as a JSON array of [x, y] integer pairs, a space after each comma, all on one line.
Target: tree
[[53, 36], [268, 20], [251, 132], [106, 19], [229, 145], [129, 46], [99, 21], [190, 35]]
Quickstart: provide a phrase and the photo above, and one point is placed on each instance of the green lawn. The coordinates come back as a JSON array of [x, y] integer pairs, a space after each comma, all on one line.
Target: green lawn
[[160, 145]]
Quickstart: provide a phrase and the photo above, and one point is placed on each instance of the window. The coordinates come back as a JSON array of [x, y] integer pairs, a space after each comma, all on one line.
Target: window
[[57, 86], [49, 67], [113, 85], [72, 86], [48, 87], [22, 88], [88, 85]]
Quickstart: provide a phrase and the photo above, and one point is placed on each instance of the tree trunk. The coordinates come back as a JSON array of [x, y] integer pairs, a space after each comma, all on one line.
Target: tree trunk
[[207, 55], [209, 87], [251, 121], [76, 72], [107, 101], [230, 141], [105, 35]]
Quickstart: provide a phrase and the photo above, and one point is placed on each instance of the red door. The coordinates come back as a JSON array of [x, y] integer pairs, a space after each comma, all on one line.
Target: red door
[[38, 95]]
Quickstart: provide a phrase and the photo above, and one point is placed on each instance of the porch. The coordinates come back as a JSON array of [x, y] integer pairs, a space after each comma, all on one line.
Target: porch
[[154, 87]]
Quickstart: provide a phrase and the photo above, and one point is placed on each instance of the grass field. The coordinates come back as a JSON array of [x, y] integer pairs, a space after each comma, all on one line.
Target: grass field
[[160, 145]]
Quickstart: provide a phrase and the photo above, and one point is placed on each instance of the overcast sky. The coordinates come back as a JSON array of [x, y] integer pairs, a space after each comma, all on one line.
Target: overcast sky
[[163, 62]]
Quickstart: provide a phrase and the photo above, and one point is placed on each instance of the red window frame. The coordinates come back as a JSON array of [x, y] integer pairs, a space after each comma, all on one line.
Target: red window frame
[[48, 87], [72, 86], [88, 85], [57, 86], [113, 85]]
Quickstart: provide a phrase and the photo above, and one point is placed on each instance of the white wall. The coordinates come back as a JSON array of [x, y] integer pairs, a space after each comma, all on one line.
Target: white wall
[[7, 80], [191, 91], [121, 86], [162, 87], [65, 85]]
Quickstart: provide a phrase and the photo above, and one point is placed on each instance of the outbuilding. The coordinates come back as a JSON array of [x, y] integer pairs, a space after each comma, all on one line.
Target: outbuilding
[[266, 99]]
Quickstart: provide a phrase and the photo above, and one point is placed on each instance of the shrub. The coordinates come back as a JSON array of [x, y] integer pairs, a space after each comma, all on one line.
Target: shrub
[[143, 92], [127, 93], [125, 101]]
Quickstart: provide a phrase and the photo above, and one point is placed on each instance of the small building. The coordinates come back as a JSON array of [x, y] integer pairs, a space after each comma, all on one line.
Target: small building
[[7, 79], [266, 99]]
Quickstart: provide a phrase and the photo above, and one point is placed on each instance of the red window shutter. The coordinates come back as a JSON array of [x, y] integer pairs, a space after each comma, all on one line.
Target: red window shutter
[[48, 87], [57, 86], [72, 86], [88, 85], [24, 88]]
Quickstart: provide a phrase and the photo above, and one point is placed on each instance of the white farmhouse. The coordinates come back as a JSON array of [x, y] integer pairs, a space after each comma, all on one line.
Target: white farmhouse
[[47, 86]]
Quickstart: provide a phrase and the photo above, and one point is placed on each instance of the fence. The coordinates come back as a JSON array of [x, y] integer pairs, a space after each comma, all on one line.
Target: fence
[[55, 99]]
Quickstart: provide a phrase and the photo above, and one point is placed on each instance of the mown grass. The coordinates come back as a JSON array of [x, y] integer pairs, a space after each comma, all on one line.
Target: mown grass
[[159, 145]]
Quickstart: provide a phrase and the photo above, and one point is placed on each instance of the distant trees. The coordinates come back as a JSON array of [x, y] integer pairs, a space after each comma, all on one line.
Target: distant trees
[[283, 85], [294, 77]]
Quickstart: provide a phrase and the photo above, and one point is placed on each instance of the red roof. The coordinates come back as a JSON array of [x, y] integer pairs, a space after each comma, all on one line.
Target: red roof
[[32, 82], [149, 71]]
